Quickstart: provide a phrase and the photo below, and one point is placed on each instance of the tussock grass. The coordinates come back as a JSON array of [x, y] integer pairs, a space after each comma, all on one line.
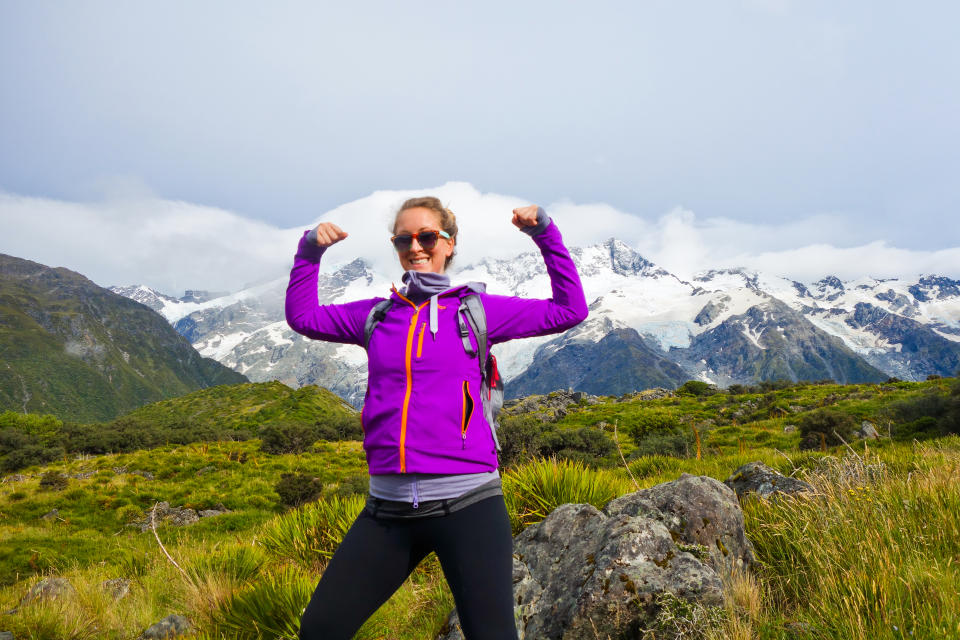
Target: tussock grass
[[871, 554], [533, 490], [310, 534]]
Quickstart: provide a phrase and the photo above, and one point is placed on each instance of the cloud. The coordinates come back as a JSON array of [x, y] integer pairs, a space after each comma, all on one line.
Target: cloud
[[135, 237], [168, 245]]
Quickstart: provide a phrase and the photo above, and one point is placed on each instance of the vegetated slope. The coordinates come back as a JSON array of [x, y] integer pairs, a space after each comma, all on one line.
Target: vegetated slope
[[71, 348], [248, 406], [875, 514]]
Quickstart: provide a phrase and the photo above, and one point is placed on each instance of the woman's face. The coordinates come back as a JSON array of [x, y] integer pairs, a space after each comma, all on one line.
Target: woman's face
[[417, 258]]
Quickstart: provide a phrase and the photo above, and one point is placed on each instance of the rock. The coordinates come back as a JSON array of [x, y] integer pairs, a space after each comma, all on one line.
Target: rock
[[17, 477], [51, 515], [218, 510], [176, 516], [697, 510], [118, 587], [868, 430], [789, 428], [206, 469], [6, 635], [170, 627], [83, 475], [48, 589], [548, 408], [583, 573], [756, 477], [146, 475]]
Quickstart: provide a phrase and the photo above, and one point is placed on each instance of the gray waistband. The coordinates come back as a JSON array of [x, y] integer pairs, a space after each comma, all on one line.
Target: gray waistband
[[394, 510], [417, 487]]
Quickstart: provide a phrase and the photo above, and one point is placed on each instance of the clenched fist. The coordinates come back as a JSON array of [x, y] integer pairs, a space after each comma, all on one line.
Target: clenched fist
[[525, 216], [329, 234]]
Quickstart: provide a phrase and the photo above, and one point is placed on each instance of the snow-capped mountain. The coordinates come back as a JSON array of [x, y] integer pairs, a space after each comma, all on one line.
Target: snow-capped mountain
[[647, 327]]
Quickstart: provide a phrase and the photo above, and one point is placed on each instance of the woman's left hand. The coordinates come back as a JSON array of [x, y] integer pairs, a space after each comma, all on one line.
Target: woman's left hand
[[525, 216]]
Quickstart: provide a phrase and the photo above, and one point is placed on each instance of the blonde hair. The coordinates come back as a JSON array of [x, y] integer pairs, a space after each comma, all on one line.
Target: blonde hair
[[448, 221]]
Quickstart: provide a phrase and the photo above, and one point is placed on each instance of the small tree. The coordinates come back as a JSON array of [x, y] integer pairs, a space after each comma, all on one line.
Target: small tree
[[826, 426]]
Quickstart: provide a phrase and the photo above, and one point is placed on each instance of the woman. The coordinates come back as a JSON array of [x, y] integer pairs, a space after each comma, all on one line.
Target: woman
[[434, 484]]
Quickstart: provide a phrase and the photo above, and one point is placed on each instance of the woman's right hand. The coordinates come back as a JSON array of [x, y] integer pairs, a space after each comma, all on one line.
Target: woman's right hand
[[329, 234]]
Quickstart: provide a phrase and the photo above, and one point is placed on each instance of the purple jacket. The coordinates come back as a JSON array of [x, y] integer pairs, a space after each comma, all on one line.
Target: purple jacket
[[422, 412]]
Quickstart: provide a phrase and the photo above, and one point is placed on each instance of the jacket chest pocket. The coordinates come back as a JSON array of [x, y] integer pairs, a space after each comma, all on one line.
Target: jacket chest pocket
[[466, 412]]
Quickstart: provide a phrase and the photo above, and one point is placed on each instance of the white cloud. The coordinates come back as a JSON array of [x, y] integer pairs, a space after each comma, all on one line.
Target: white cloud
[[165, 244], [138, 238]]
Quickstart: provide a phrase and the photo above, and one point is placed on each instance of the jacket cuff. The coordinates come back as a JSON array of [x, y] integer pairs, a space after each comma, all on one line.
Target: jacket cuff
[[308, 249], [543, 221]]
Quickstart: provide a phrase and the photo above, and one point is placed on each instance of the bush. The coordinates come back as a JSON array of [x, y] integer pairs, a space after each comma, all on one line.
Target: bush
[[672, 443], [823, 426], [53, 481], [930, 415], [288, 437], [296, 489], [696, 388], [524, 438], [652, 421]]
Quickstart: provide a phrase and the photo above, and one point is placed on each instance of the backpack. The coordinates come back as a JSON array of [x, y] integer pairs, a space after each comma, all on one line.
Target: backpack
[[470, 313]]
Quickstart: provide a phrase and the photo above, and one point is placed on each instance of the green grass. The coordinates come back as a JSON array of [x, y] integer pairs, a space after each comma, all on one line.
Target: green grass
[[874, 554]]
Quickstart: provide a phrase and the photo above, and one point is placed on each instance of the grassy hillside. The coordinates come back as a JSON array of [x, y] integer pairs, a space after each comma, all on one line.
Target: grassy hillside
[[872, 555], [81, 352], [230, 412]]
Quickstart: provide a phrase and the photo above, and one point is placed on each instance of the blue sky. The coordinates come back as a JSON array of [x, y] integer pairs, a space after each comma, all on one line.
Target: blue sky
[[753, 112]]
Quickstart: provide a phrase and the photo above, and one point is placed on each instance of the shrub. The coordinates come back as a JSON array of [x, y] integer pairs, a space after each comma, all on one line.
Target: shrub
[[53, 481], [930, 414], [825, 426], [672, 443], [696, 388], [296, 489], [310, 534], [287, 437], [652, 421], [525, 438]]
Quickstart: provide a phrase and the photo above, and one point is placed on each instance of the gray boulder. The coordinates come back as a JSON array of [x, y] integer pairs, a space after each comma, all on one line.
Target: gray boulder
[[170, 627], [758, 478], [868, 431], [583, 573], [176, 516], [6, 635]]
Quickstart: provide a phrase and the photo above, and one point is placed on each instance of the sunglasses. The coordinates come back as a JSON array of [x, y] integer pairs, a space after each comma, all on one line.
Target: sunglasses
[[426, 239]]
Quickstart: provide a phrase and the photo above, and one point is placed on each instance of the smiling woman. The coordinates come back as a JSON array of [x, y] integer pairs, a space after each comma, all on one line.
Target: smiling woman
[[430, 444], [425, 235]]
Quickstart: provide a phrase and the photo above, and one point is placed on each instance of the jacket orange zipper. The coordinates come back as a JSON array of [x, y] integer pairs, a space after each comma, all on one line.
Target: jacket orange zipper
[[408, 356]]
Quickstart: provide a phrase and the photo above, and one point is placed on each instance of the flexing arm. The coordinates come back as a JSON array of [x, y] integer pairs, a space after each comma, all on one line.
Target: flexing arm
[[331, 322], [510, 317]]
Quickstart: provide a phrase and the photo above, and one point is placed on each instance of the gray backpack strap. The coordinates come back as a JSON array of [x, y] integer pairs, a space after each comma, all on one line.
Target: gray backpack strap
[[373, 319], [472, 308], [491, 393]]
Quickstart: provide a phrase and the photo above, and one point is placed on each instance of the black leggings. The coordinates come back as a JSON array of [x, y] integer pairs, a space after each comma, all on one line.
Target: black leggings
[[474, 547]]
